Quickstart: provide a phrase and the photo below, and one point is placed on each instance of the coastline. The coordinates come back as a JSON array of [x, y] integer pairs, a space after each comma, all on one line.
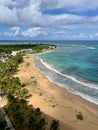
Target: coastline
[[56, 101], [50, 73]]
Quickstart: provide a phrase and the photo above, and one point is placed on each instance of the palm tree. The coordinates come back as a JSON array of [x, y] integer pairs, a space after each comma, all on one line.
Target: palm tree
[[54, 125], [40, 124]]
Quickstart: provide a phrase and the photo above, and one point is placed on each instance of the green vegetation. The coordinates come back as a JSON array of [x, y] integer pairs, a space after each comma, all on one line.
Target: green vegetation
[[54, 125], [79, 116], [22, 116], [35, 82], [27, 64], [8, 48], [40, 94], [2, 124], [23, 84], [53, 105]]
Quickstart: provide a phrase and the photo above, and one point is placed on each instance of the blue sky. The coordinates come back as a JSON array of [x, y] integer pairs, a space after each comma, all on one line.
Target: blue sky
[[48, 19]]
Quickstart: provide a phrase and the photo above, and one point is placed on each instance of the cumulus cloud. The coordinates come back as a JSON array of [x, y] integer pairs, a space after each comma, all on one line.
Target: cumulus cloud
[[78, 5], [16, 30], [31, 32], [19, 13], [29, 13], [7, 16], [49, 4]]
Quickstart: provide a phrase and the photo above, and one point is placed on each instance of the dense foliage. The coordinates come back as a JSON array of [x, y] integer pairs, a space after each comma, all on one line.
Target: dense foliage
[[7, 48], [23, 117]]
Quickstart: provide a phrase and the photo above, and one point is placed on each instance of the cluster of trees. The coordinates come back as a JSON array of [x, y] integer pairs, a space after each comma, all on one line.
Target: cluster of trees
[[8, 48], [8, 68], [23, 117]]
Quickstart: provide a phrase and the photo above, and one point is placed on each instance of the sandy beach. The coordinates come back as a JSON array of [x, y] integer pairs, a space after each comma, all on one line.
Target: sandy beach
[[56, 101]]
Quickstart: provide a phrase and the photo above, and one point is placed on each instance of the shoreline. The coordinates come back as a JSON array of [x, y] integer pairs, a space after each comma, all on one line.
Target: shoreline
[[89, 85], [71, 78], [56, 101]]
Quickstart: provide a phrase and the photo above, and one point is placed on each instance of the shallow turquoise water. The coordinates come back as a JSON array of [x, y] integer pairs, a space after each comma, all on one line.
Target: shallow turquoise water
[[74, 66], [77, 60]]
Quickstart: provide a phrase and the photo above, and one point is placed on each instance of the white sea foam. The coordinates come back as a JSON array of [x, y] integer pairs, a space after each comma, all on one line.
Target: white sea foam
[[86, 47], [69, 77], [92, 48], [72, 90], [76, 48], [85, 96]]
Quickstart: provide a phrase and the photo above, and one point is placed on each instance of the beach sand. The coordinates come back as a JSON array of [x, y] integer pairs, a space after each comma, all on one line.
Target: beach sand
[[55, 101]]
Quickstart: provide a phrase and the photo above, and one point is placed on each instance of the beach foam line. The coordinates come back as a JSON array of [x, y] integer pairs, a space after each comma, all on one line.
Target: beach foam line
[[87, 97], [73, 91], [84, 96], [92, 48], [81, 46], [69, 77]]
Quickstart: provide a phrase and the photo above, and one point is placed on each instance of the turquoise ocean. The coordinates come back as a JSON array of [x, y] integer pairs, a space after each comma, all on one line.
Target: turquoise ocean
[[73, 66]]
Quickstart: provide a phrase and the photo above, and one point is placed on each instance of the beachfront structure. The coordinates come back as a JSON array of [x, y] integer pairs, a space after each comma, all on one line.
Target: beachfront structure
[[4, 59], [23, 50]]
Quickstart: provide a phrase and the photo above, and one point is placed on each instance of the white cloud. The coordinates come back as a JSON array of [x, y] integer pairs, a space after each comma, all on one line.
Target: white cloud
[[28, 13], [7, 16], [7, 2], [96, 34], [31, 32], [16, 30], [49, 33], [8, 34], [20, 13], [76, 5], [49, 4]]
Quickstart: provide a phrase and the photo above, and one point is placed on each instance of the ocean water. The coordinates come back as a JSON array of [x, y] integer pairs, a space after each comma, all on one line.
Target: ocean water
[[73, 66]]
